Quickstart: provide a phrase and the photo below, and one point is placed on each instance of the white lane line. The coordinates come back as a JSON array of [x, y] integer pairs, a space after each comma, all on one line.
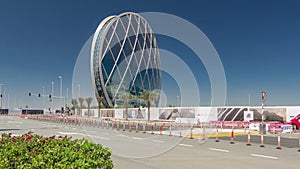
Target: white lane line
[[15, 122], [121, 135], [103, 138], [186, 145], [67, 133], [137, 138], [220, 150], [105, 133], [263, 156], [158, 141]]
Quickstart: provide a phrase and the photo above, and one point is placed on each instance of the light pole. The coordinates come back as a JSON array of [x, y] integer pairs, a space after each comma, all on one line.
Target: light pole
[[67, 97], [60, 91], [43, 93], [1, 96], [7, 100], [78, 93], [52, 98], [263, 94]]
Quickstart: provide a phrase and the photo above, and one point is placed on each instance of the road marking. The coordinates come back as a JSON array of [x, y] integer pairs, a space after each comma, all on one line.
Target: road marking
[[158, 141], [263, 156], [15, 122], [221, 150], [103, 138], [66, 133], [121, 135], [186, 145], [105, 133], [137, 138]]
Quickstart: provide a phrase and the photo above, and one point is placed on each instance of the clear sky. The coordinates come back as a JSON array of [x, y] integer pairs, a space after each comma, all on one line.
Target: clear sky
[[258, 43]]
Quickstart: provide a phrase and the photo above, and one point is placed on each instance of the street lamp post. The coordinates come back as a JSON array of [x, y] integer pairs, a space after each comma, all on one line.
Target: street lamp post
[[263, 94], [78, 95], [1, 96], [52, 98], [67, 97], [60, 91], [43, 93]]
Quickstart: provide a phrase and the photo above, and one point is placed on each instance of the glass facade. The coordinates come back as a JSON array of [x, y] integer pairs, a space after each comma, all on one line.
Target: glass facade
[[125, 61]]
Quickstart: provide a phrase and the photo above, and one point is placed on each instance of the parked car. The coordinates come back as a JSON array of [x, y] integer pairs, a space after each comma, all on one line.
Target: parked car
[[295, 122]]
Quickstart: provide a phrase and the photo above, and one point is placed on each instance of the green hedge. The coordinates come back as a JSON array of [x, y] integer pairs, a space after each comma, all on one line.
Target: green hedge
[[35, 151]]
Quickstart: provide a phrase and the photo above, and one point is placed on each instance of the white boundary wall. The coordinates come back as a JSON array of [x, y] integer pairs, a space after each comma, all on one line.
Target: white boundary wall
[[202, 114]]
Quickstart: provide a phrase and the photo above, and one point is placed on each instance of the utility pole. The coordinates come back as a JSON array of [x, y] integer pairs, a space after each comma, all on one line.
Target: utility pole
[[52, 101], [1, 96]]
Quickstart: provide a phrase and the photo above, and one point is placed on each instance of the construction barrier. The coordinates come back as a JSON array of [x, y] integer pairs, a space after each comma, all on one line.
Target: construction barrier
[[180, 128], [191, 134], [137, 127], [144, 128], [232, 136], [299, 144], [129, 126], [217, 136], [123, 126], [160, 129], [278, 142], [170, 128], [262, 139], [152, 129], [249, 138]]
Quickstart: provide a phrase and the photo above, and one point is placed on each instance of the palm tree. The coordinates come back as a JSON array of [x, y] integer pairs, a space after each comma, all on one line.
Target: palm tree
[[125, 97], [146, 97], [81, 100], [75, 105], [89, 101], [99, 99], [149, 96]]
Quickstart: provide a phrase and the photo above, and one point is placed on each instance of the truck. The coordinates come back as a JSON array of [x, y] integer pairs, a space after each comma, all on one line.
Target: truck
[[295, 122]]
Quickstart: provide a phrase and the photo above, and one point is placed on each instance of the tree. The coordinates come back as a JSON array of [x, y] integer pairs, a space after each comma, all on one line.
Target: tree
[[89, 101], [74, 102], [99, 99], [126, 97], [81, 100], [148, 97]]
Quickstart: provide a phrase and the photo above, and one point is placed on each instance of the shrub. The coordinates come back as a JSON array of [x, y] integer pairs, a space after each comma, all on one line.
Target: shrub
[[35, 151]]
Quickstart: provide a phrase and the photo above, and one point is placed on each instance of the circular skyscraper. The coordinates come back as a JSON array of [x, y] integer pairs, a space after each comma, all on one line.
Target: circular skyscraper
[[125, 61]]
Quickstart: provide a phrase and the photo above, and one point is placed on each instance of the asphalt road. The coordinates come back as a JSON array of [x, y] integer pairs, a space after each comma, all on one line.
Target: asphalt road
[[146, 151]]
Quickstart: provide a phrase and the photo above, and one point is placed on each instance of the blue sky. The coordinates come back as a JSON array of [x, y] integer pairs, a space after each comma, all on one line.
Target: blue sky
[[257, 41]]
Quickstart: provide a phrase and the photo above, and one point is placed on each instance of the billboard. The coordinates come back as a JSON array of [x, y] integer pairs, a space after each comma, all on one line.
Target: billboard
[[135, 113], [173, 113]]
